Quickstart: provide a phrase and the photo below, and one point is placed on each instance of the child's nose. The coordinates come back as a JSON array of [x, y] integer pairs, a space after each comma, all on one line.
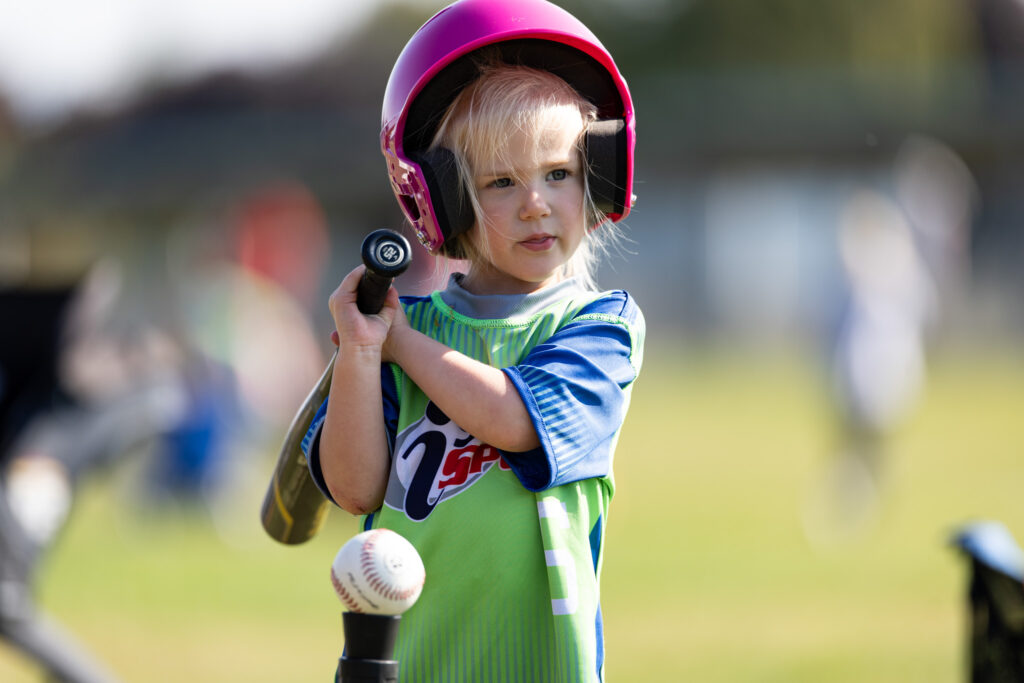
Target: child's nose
[[534, 205]]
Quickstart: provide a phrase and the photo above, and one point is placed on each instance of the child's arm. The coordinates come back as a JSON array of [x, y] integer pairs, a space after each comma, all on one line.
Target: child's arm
[[353, 442], [479, 398]]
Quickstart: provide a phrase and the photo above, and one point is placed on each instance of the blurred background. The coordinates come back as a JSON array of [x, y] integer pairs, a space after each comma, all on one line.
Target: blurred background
[[826, 245]]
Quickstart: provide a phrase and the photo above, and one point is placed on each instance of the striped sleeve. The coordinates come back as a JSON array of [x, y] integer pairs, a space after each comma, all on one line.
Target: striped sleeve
[[576, 388]]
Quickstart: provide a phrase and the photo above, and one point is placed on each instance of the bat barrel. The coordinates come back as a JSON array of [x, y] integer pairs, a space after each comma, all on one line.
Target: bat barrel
[[293, 508]]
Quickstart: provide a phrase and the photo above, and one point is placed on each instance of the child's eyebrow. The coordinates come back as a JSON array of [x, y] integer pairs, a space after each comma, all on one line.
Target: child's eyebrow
[[494, 173], [502, 172], [486, 178]]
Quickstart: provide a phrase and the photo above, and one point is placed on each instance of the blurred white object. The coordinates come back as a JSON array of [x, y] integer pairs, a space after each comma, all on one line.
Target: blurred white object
[[38, 492]]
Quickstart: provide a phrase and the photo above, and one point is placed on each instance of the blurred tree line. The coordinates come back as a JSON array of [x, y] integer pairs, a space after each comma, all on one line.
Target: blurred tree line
[[840, 81], [783, 33], [749, 76], [717, 76]]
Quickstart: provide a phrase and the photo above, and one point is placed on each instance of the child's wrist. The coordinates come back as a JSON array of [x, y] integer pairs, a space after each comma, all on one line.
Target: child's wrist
[[393, 345], [360, 354]]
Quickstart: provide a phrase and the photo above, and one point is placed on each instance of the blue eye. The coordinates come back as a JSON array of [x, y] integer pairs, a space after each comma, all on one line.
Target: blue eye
[[502, 182], [558, 174]]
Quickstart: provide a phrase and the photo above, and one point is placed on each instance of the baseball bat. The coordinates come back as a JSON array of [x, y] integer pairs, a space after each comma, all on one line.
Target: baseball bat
[[293, 508]]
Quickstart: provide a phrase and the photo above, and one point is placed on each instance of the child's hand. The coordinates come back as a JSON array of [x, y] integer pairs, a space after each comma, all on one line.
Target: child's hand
[[354, 329], [399, 325]]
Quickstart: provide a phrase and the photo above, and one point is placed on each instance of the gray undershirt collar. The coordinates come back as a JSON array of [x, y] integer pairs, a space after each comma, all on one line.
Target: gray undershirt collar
[[500, 306]]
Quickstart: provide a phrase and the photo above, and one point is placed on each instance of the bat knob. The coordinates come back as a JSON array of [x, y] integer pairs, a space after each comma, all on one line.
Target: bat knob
[[386, 253]]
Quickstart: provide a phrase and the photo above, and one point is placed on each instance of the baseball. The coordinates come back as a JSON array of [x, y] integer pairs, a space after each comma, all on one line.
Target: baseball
[[377, 572]]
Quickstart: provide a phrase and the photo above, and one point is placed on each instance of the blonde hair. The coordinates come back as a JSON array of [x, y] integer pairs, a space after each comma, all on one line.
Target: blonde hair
[[477, 124]]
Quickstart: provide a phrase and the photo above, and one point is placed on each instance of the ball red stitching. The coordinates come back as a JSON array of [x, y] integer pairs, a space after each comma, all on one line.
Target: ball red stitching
[[366, 562], [345, 596]]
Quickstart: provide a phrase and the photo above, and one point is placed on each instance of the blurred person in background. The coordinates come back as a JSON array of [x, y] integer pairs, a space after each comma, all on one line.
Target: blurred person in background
[[244, 286], [903, 258], [96, 370], [76, 393], [243, 282]]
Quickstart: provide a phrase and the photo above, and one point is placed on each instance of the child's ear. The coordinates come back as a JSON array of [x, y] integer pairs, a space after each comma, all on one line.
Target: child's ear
[[449, 197], [606, 156]]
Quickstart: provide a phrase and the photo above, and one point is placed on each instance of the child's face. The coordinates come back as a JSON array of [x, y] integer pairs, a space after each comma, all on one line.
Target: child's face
[[532, 201]]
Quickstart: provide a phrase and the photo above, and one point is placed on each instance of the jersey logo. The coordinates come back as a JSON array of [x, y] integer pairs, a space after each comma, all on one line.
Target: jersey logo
[[434, 460]]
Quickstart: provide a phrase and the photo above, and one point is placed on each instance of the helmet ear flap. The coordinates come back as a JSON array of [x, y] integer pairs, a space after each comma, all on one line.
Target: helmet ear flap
[[605, 148], [448, 195]]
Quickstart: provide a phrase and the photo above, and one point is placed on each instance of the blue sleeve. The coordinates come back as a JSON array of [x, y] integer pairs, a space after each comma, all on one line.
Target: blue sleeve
[[576, 388], [311, 442]]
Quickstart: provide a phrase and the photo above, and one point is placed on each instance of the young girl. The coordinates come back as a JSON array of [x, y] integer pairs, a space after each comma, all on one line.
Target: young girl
[[503, 395]]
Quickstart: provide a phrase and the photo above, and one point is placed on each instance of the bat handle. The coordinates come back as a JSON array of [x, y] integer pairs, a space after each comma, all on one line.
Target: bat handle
[[293, 508], [386, 254]]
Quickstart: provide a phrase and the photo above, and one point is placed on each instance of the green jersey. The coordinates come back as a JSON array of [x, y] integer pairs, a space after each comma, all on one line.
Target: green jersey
[[512, 542]]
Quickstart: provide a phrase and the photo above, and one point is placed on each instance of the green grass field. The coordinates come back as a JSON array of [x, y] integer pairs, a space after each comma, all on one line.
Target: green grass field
[[708, 574]]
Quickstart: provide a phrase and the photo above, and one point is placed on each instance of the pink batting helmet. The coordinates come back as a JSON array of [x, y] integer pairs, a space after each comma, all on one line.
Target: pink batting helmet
[[437, 63]]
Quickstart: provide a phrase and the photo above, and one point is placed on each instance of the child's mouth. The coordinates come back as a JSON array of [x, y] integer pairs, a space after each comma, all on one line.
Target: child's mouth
[[538, 242]]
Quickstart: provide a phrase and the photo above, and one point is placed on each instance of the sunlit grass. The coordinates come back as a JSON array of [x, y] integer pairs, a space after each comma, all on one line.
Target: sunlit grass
[[708, 575]]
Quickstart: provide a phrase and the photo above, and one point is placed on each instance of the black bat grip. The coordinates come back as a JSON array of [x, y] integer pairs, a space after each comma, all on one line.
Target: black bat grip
[[386, 254]]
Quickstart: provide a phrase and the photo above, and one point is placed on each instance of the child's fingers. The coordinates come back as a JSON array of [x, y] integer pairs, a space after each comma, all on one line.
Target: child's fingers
[[391, 300], [352, 327], [345, 294]]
